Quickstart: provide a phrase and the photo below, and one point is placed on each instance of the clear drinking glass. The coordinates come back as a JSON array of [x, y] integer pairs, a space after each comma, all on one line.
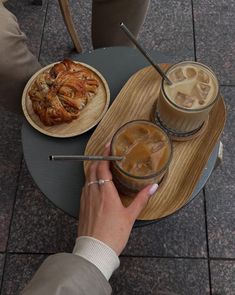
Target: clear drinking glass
[[147, 153], [184, 106]]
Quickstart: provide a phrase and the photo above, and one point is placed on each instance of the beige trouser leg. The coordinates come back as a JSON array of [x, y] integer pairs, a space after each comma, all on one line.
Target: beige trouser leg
[[107, 15], [17, 63]]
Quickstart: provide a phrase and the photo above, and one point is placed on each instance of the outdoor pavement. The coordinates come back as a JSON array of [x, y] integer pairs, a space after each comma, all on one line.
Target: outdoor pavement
[[189, 253]]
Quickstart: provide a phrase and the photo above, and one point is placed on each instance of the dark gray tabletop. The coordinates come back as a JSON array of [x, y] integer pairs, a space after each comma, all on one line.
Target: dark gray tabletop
[[61, 182]]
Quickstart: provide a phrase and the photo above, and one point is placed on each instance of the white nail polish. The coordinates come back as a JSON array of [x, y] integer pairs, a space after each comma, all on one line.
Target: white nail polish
[[153, 189]]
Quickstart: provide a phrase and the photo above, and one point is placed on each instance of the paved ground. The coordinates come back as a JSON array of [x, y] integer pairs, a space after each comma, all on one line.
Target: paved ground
[[192, 252]]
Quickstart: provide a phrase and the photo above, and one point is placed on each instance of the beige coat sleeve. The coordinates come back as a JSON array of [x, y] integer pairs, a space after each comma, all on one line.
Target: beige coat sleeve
[[67, 274], [18, 64]]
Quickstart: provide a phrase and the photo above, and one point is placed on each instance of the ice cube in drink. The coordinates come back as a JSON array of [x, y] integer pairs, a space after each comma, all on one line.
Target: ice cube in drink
[[145, 161], [183, 106]]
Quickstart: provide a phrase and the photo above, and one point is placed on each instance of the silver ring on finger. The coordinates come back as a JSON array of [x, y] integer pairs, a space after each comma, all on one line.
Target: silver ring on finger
[[99, 182]]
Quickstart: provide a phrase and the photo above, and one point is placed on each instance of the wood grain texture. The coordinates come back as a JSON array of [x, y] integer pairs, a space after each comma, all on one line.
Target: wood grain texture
[[89, 116], [135, 101]]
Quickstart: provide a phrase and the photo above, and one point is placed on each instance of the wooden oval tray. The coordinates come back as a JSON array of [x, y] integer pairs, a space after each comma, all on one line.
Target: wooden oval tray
[[135, 101], [89, 116]]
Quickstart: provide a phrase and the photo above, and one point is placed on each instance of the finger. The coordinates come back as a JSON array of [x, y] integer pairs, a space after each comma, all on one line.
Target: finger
[[91, 174], [81, 212], [92, 188], [103, 171], [141, 200], [82, 200], [109, 191]]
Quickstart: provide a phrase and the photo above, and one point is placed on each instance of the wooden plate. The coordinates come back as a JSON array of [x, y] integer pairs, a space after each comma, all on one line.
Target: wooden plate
[[135, 101], [89, 117]]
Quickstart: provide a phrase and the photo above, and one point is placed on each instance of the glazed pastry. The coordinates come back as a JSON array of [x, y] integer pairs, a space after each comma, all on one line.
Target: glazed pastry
[[58, 95]]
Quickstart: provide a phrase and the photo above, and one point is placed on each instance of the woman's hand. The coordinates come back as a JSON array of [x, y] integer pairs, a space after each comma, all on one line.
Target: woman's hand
[[102, 215]]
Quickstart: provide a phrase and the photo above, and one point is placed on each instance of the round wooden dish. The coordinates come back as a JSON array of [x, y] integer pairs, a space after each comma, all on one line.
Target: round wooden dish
[[89, 117]]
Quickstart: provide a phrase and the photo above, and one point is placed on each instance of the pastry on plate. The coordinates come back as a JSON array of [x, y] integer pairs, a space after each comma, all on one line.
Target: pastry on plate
[[59, 94]]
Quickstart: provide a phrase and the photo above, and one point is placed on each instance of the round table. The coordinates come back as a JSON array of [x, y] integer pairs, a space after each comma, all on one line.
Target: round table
[[61, 182]]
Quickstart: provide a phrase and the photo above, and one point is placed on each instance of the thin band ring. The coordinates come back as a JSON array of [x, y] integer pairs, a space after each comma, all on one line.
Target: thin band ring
[[99, 182]]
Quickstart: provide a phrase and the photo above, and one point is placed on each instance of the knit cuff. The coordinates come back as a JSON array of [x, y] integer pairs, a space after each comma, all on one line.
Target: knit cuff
[[98, 253]]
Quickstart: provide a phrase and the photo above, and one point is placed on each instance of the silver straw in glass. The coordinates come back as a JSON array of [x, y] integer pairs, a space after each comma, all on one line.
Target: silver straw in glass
[[83, 158], [156, 66]]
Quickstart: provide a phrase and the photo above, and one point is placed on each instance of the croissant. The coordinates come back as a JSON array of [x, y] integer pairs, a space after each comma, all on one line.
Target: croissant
[[59, 95]]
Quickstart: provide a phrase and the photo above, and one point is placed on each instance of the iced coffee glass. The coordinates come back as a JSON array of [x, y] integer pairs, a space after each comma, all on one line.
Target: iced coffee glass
[[146, 150], [183, 107]]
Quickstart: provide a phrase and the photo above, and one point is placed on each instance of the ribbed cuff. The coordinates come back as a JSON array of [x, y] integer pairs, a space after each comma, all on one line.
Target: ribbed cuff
[[98, 253]]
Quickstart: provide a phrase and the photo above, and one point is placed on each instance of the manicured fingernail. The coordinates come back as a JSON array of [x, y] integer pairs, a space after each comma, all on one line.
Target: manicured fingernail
[[108, 144], [153, 189]]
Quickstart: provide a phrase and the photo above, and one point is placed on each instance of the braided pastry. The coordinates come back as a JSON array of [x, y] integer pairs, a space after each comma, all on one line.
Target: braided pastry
[[58, 95]]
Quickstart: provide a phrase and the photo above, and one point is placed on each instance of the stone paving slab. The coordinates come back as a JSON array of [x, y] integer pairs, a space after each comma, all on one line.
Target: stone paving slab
[[223, 277], [2, 259], [182, 234], [10, 159], [220, 190], [38, 226], [214, 34], [138, 276], [168, 28]]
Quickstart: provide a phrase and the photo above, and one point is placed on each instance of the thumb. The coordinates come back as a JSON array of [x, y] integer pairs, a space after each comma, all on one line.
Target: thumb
[[141, 200]]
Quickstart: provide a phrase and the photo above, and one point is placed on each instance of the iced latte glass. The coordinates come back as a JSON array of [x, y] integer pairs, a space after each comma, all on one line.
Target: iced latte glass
[[146, 150], [183, 106]]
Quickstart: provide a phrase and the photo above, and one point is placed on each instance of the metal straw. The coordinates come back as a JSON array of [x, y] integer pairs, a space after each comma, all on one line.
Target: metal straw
[[83, 158], [156, 66]]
